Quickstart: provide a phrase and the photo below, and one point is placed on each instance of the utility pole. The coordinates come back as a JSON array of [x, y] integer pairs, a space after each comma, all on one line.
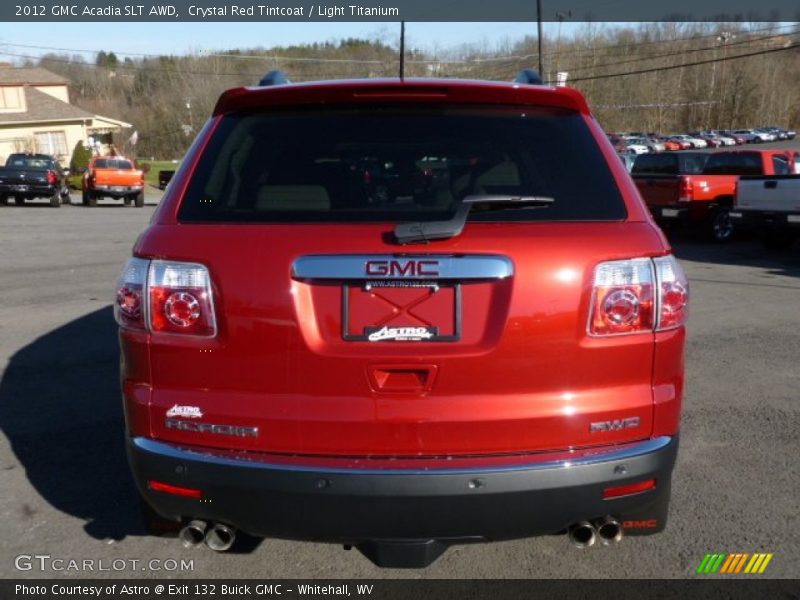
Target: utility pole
[[539, 30], [402, 49]]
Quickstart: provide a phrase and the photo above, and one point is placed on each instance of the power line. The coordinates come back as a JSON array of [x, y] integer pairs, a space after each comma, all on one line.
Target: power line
[[686, 65], [681, 52], [488, 59]]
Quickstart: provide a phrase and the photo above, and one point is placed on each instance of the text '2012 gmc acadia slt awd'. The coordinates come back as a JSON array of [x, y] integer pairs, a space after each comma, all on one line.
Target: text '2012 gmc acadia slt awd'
[[400, 315]]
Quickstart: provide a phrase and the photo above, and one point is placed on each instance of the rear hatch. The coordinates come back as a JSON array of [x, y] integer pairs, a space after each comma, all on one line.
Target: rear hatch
[[334, 339]]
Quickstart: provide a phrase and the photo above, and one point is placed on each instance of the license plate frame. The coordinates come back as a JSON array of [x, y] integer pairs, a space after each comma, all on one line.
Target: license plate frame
[[366, 286]]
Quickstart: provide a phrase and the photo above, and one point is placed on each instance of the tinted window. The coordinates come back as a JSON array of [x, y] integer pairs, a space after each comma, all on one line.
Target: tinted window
[[743, 163], [399, 164], [29, 162], [656, 164], [112, 163]]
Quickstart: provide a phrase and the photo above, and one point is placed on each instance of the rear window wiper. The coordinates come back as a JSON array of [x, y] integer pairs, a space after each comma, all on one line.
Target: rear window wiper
[[424, 231]]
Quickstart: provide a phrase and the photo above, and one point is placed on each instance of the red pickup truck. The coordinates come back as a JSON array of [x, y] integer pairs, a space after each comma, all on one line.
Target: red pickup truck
[[701, 190], [395, 315]]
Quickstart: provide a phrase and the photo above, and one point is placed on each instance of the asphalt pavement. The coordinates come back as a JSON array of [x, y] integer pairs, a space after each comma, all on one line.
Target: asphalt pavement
[[66, 491]]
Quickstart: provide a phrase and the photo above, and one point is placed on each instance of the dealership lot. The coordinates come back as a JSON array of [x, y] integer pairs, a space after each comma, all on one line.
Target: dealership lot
[[68, 494]]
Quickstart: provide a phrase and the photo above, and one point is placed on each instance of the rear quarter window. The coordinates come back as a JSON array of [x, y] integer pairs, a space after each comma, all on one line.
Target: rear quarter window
[[390, 164]]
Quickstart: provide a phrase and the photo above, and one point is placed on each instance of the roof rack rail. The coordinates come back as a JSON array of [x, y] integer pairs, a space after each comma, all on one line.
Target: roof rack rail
[[274, 78], [529, 77]]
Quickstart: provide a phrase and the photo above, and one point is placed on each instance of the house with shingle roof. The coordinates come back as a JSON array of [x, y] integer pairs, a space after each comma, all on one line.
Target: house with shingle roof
[[36, 116]]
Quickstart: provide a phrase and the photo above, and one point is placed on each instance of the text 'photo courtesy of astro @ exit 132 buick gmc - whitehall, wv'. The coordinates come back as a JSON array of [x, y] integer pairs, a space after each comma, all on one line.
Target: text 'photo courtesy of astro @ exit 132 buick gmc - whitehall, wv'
[[396, 316]]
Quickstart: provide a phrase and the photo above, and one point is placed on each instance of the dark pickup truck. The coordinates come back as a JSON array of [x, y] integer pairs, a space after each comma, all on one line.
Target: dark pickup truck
[[701, 190], [29, 176]]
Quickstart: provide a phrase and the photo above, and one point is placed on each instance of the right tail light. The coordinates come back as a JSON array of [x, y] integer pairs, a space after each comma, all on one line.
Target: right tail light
[[637, 296], [166, 297]]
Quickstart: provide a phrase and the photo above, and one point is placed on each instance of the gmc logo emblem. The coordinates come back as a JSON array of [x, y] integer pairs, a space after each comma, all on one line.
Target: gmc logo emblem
[[643, 524], [402, 268]]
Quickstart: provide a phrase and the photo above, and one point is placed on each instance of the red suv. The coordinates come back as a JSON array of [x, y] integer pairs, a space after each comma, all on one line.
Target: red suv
[[396, 315]]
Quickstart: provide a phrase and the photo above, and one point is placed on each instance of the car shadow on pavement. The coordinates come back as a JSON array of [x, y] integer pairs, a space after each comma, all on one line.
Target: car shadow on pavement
[[61, 411]]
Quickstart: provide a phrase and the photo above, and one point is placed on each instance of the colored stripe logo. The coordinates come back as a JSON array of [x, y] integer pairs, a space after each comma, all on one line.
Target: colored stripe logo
[[734, 563]]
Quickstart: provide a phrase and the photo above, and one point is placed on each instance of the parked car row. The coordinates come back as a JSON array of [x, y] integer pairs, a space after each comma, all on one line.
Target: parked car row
[[639, 142]]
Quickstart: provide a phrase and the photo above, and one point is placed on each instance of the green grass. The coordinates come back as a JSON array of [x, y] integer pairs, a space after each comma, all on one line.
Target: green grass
[[151, 177]]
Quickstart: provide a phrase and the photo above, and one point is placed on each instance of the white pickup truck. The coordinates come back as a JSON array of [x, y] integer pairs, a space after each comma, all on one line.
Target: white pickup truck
[[770, 206]]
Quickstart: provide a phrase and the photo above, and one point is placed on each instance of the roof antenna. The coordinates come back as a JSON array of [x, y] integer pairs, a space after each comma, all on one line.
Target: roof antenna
[[402, 50]]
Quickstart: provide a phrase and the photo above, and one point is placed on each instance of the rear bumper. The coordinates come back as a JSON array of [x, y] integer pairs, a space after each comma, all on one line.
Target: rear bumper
[[534, 495], [28, 191], [758, 219], [117, 190]]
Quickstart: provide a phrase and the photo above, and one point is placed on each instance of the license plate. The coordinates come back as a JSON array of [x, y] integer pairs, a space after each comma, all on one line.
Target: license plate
[[669, 212], [118, 188], [735, 215], [381, 311], [20, 188], [793, 219]]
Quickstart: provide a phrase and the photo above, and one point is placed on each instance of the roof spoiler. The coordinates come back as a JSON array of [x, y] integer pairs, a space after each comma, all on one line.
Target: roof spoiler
[[528, 77], [274, 78]]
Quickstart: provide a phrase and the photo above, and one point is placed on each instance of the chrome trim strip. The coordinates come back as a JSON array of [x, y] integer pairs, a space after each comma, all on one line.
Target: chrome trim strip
[[627, 452], [389, 266]]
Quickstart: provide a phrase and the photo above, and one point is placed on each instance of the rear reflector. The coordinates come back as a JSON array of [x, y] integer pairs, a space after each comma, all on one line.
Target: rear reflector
[[159, 486], [631, 488]]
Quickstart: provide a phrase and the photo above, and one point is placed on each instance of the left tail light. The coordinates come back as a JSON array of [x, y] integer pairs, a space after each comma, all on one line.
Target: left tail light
[[52, 178], [166, 297], [129, 305]]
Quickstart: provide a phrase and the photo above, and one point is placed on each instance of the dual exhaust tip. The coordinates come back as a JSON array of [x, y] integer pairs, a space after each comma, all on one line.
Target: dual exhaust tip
[[220, 537], [584, 534], [217, 536]]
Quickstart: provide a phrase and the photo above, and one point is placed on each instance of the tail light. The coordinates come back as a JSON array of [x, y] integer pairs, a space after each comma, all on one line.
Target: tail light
[[673, 293], [622, 297], [686, 190], [637, 296], [166, 297], [129, 305], [52, 178]]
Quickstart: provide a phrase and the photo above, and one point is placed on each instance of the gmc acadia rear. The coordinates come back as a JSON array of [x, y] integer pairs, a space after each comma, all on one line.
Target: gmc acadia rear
[[400, 315]]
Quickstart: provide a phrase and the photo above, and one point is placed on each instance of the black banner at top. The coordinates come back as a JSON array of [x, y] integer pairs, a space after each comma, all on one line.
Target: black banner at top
[[397, 10]]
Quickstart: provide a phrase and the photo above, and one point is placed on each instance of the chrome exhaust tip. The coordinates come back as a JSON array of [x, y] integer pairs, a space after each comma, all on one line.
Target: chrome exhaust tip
[[193, 533], [220, 537], [582, 534], [609, 530]]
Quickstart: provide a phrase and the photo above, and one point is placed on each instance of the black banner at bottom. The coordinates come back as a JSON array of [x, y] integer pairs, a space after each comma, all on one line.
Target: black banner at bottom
[[378, 589]]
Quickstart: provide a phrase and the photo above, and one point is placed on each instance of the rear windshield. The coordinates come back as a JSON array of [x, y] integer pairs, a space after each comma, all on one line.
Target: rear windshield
[[670, 164], [394, 164], [29, 162], [741, 163], [112, 163]]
